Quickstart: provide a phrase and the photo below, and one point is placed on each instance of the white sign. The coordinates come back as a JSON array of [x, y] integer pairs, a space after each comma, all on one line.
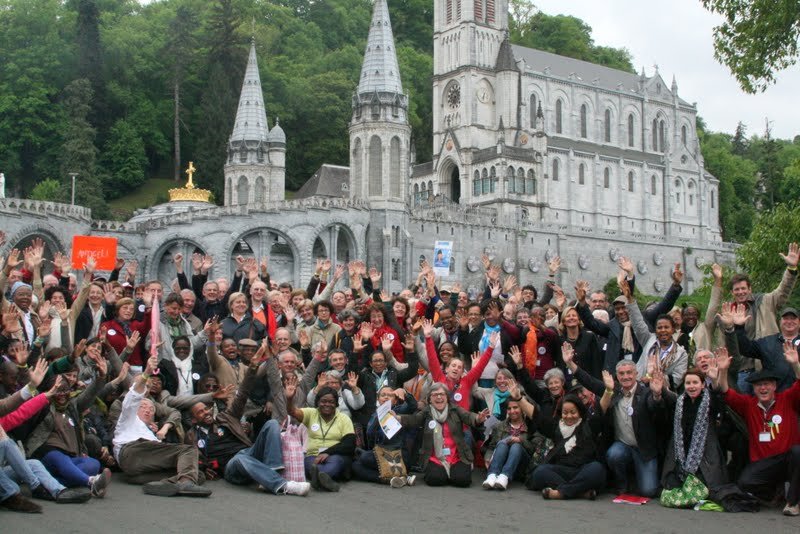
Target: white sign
[[389, 424], [442, 255]]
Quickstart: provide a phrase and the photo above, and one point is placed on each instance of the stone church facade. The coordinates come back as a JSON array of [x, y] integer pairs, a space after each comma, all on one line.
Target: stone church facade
[[534, 155]]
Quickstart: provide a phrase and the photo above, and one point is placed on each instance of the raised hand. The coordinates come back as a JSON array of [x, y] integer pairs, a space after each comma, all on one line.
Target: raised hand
[[90, 265], [338, 272], [494, 339], [463, 319], [63, 311], [791, 258], [716, 272], [11, 321], [516, 356], [509, 284], [427, 327], [44, 310], [358, 345], [486, 262], [12, 261], [366, 331], [290, 386], [352, 380], [494, 273], [408, 342], [326, 265], [102, 366], [45, 327], [386, 342], [225, 392], [133, 340], [790, 352], [133, 267], [567, 353], [677, 274], [374, 275], [119, 263], [625, 287], [264, 265], [722, 360], [740, 315], [513, 389], [626, 265], [483, 415], [554, 264], [123, 373], [57, 386], [21, 357], [494, 286], [302, 337], [608, 380], [208, 263], [725, 315], [657, 383], [561, 298], [36, 375], [476, 358], [581, 289]]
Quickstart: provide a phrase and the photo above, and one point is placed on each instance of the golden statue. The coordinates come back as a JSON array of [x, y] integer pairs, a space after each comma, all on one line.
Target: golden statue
[[189, 192]]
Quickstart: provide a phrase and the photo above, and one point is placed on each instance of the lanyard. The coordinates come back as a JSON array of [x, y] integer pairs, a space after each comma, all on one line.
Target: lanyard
[[325, 433]]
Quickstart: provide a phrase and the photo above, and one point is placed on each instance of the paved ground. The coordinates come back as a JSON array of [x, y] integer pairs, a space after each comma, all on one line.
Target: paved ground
[[362, 507]]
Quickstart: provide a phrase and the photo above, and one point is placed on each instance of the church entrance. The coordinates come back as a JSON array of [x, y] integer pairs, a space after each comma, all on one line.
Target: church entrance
[[455, 185]]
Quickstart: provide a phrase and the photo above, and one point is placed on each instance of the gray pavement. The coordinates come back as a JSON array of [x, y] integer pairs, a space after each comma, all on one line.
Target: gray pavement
[[362, 507]]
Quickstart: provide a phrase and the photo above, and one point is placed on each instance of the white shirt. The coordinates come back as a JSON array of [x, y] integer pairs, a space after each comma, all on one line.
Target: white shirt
[[129, 426]]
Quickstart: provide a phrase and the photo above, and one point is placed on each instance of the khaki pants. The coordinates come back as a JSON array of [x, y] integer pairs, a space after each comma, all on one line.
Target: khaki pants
[[143, 456]]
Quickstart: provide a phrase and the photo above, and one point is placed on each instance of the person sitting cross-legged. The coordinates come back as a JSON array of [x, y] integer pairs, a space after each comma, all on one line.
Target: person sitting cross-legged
[[227, 449], [138, 450]]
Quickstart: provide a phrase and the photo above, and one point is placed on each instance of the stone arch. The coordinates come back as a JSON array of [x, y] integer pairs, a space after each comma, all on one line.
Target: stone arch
[[395, 168], [284, 257], [24, 238], [162, 266], [242, 191], [375, 166], [260, 193], [338, 240], [450, 180], [358, 169]]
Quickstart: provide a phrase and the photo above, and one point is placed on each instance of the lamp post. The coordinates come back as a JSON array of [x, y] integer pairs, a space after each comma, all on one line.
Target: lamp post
[[73, 175]]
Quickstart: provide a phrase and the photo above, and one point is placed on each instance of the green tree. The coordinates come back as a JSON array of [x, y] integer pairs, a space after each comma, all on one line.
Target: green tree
[[78, 153], [760, 256], [757, 39], [91, 60], [124, 160], [49, 190], [739, 143]]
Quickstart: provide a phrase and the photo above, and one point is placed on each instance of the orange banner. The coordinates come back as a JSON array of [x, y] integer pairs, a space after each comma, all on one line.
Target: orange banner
[[104, 250]]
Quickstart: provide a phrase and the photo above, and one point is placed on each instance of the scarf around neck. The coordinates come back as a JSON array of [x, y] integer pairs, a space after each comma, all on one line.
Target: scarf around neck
[[689, 463], [568, 434], [627, 337], [499, 398], [438, 436], [487, 332]]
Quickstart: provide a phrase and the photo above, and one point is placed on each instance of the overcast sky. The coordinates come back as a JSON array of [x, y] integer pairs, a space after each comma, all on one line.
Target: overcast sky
[[677, 36]]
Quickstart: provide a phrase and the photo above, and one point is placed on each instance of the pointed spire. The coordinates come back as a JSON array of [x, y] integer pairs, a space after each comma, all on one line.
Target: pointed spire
[[505, 57], [380, 71], [539, 112], [251, 116], [642, 75], [674, 85]]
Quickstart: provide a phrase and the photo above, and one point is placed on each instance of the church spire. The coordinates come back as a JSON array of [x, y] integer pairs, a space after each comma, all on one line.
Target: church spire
[[251, 116], [380, 71]]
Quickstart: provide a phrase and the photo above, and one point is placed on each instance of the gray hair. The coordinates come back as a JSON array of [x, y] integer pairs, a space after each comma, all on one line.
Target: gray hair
[[624, 363], [555, 372]]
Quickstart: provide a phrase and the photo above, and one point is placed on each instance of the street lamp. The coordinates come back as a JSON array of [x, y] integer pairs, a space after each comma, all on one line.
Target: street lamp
[[73, 175]]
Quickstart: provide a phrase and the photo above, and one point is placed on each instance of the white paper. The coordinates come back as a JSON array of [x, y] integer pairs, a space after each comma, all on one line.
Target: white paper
[[389, 424]]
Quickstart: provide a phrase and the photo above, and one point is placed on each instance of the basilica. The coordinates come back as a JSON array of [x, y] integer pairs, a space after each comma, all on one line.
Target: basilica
[[535, 155]]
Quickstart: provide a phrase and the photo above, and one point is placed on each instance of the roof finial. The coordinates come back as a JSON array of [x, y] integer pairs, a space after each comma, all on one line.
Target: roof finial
[[253, 30]]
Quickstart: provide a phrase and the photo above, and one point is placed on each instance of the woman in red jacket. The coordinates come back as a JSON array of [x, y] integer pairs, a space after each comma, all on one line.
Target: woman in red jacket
[[119, 329], [379, 327]]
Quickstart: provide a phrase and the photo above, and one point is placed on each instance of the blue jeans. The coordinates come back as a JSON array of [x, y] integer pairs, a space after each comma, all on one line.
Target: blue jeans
[[333, 466], [621, 457], [72, 472], [507, 458], [21, 471], [259, 461]]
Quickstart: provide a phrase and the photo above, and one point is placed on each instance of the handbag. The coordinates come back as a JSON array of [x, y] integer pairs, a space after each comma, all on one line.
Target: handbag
[[690, 493], [390, 463], [293, 447]]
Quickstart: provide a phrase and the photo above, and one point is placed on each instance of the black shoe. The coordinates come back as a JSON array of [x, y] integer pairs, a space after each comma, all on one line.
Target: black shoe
[[327, 483], [314, 477], [25, 490], [160, 488], [18, 503], [73, 495], [190, 489], [41, 493]]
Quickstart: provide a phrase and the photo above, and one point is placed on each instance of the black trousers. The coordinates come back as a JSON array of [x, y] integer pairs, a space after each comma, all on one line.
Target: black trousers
[[761, 478], [460, 475]]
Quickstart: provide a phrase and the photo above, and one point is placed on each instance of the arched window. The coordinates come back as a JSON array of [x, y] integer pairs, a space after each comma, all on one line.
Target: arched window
[[375, 166], [458, 9], [653, 185], [558, 116], [662, 136], [712, 199], [430, 187], [521, 181], [476, 184], [242, 191], [261, 189], [530, 188], [630, 181], [655, 135], [555, 170], [449, 11], [630, 130], [492, 179], [607, 178], [583, 121], [683, 135], [395, 169], [416, 194], [533, 109], [479, 10], [485, 176], [357, 169], [581, 174], [607, 126], [512, 185]]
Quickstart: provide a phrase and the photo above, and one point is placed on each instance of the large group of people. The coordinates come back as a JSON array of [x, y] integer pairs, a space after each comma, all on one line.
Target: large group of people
[[570, 393]]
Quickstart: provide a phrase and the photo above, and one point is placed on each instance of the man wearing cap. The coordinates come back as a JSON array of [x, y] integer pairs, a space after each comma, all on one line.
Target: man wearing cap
[[772, 423], [769, 350]]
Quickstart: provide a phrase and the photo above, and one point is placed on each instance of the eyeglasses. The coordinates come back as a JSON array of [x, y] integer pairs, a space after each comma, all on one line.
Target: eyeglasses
[[439, 394]]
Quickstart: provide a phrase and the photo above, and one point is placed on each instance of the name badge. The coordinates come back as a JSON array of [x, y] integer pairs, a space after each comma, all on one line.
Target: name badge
[[201, 444], [71, 422], [457, 397], [431, 424], [542, 350], [605, 346], [446, 451], [315, 427], [195, 376], [630, 410], [764, 437], [112, 332], [777, 419]]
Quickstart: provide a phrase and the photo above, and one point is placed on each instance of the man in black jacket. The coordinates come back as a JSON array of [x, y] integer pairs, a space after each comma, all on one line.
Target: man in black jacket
[[633, 413]]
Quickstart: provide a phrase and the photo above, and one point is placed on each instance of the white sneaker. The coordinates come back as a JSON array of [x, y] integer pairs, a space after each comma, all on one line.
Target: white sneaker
[[296, 488], [501, 483], [410, 480], [490, 481], [397, 482], [791, 511]]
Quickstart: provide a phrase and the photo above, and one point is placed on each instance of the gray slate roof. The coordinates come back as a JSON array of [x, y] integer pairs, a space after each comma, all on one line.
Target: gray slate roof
[[251, 116], [326, 182], [562, 67], [380, 71]]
